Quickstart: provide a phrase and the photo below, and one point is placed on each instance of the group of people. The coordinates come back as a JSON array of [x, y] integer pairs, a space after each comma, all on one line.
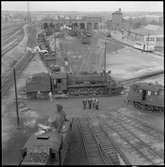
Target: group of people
[[90, 103]]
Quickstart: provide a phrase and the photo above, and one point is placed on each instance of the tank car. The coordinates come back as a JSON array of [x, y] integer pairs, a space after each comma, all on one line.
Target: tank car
[[146, 96], [47, 149]]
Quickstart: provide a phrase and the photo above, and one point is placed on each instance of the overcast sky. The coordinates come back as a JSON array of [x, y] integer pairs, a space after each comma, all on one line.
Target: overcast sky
[[152, 6]]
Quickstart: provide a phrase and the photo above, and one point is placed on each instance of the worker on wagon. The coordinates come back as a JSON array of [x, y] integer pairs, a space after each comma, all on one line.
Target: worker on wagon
[[57, 120], [50, 96]]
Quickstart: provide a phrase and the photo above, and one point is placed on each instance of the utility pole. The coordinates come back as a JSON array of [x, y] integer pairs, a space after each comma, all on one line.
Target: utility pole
[[105, 63], [55, 43], [147, 41], [15, 84], [105, 58]]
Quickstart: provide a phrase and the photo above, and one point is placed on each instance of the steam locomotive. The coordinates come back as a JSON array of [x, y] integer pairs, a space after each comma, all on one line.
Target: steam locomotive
[[93, 84], [147, 96]]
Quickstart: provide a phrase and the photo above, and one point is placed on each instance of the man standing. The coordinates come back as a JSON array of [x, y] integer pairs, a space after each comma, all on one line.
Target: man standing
[[57, 120], [84, 103], [93, 102], [97, 104], [90, 103], [50, 96]]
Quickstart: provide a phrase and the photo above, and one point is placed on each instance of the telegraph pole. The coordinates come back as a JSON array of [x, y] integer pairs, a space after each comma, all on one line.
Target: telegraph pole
[[147, 41], [16, 99], [55, 43], [105, 59]]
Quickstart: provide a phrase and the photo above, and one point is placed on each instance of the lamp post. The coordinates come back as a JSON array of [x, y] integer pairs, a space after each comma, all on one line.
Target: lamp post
[[105, 63]]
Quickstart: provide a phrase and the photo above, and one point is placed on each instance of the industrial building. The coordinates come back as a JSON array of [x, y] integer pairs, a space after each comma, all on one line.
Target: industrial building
[[88, 23], [148, 35]]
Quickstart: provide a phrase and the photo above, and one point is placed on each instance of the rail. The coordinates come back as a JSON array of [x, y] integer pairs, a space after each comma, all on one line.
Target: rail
[[92, 149], [106, 147], [116, 147], [143, 126], [143, 149], [9, 47]]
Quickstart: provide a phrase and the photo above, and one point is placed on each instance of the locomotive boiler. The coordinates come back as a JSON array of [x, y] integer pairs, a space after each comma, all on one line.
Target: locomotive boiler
[[85, 84], [146, 96]]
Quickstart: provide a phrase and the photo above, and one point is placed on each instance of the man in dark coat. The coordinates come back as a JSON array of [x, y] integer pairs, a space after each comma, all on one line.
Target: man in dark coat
[[84, 103], [90, 103], [57, 120]]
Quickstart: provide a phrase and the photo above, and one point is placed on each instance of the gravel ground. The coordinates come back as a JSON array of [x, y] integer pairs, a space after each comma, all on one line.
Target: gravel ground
[[40, 110], [73, 107]]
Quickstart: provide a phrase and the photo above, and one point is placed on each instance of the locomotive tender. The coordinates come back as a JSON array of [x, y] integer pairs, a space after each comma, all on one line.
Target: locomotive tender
[[49, 148], [147, 96]]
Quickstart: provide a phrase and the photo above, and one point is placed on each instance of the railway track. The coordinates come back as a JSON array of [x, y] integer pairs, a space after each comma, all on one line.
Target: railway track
[[12, 41], [93, 151], [149, 136], [99, 147], [141, 125], [10, 46], [148, 154], [110, 148]]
